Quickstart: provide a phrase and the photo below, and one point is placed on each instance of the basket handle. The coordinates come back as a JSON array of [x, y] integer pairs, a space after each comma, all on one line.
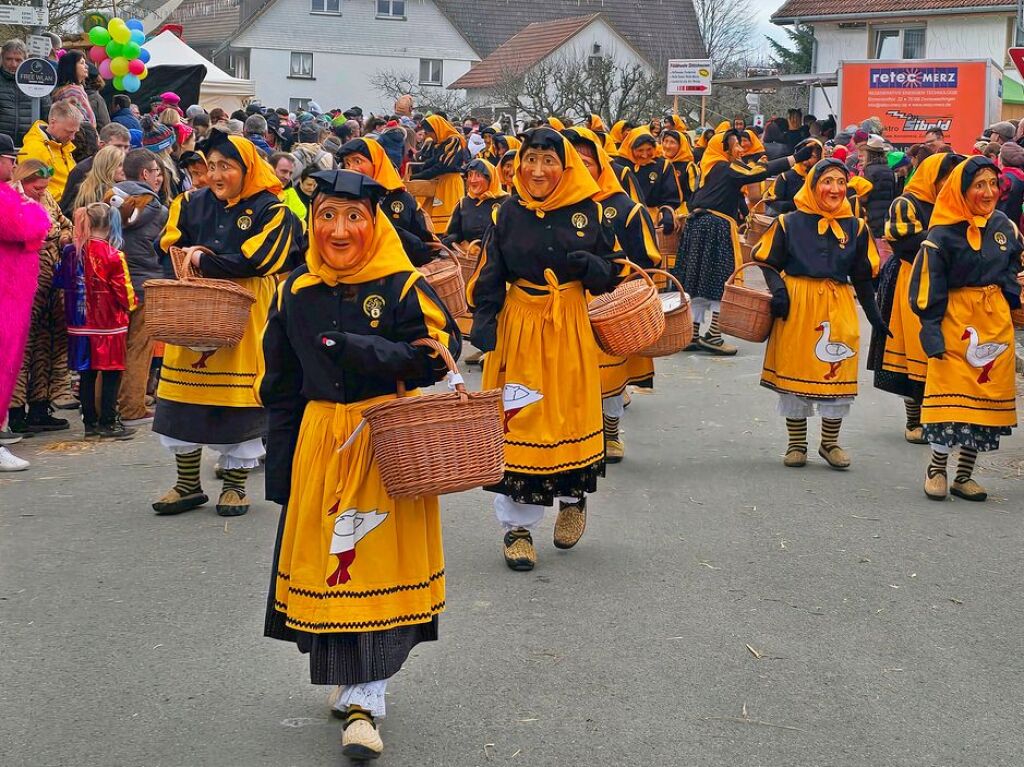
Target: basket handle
[[183, 268], [444, 250], [732, 277], [762, 202], [449, 361], [636, 272], [673, 278]]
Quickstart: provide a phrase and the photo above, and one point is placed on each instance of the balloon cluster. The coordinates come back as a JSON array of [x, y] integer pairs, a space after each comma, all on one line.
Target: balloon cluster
[[118, 53]]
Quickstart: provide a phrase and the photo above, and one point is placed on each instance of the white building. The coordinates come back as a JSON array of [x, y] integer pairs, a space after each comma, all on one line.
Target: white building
[[928, 29]]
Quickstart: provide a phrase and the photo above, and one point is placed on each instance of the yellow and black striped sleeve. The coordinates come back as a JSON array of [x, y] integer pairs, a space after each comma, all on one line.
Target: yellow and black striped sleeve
[[902, 221], [272, 249], [867, 261], [636, 238], [172, 234], [773, 248], [929, 295]]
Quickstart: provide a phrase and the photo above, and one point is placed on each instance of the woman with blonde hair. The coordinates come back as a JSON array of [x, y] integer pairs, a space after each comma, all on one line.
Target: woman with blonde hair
[[107, 170]]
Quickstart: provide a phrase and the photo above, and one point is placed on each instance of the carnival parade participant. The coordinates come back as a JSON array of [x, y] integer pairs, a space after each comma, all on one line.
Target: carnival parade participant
[[655, 176], [239, 229], [899, 363], [473, 215], [963, 285], [709, 248], [677, 150], [507, 169], [811, 357], [549, 245], [779, 196], [367, 156], [634, 234], [359, 576], [443, 158]]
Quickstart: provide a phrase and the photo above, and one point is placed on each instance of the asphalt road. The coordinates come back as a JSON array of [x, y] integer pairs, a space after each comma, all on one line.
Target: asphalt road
[[721, 610]]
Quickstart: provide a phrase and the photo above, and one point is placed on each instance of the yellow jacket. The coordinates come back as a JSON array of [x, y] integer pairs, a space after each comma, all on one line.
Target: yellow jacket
[[37, 145]]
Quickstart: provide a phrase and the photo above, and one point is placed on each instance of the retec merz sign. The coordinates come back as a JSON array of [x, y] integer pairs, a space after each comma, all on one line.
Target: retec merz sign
[[913, 77]]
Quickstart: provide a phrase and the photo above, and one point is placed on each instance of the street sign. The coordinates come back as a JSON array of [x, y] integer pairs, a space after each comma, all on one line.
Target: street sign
[[38, 45], [1017, 57], [24, 15], [689, 77], [758, 121], [36, 77]]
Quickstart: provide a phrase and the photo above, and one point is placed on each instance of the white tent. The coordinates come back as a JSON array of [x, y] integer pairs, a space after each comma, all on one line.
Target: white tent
[[219, 89]]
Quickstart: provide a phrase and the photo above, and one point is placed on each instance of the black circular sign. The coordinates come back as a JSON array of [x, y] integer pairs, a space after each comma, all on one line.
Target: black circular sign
[[36, 77]]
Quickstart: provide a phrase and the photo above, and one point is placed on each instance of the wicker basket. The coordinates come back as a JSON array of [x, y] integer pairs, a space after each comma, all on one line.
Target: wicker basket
[[467, 260], [438, 443], [757, 223], [746, 312], [1017, 315], [678, 324], [445, 277], [668, 244], [630, 318], [196, 311]]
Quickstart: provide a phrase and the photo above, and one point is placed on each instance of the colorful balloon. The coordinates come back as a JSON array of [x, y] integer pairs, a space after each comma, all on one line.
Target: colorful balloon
[[99, 36], [136, 67], [104, 67], [144, 74], [121, 34], [97, 53], [131, 83], [114, 49], [119, 83], [144, 55], [119, 66], [135, 24], [138, 36], [131, 51]]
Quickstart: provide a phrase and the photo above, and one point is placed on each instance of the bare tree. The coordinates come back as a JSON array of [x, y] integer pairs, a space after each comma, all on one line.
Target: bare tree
[[392, 83], [65, 15], [728, 32], [570, 86]]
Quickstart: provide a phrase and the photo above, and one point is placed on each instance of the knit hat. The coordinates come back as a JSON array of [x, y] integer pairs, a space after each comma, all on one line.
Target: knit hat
[[170, 97], [860, 136], [309, 132], [877, 142], [332, 144], [156, 136], [194, 111], [1003, 129], [315, 108], [1012, 155]]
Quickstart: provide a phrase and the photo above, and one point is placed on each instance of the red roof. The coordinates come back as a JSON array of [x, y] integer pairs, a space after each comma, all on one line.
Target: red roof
[[522, 51], [811, 9]]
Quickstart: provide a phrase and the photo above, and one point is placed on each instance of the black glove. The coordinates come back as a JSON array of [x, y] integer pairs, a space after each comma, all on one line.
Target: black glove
[[596, 274], [780, 296], [866, 296], [333, 344], [483, 337], [668, 221], [450, 240], [804, 153]]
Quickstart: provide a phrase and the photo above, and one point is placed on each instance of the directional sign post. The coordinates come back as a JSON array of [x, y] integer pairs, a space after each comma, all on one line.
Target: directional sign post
[[689, 77], [24, 15]]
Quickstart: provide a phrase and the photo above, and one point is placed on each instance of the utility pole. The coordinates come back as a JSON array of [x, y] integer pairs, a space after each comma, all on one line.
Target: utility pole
[[37, 30]]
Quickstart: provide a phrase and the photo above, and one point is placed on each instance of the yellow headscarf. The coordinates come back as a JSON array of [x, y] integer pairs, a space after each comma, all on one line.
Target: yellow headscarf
[[756, 147], [951, 204], [807, 200], [575, 185], [922, 185], [387, 256], [607, 180], [714, 154], [596, 124], [617, 132], [494, 188], [685, 153], [513, 143], [384, 172], [723, 126], [557, 124], [626, 147], [258, 175], [679, 124]]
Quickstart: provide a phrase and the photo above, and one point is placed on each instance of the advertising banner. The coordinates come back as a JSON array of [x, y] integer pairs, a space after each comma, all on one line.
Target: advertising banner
[[912, 96]]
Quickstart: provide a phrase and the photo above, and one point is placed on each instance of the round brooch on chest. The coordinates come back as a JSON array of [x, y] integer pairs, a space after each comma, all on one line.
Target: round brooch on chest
[[397, 206], [244, 223], [579, 220]]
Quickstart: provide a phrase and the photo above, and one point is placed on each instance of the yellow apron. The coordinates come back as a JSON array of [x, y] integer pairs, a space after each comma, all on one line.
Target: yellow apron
[[903, 352], [352, 558], [546, 362], [222, 376], [450, 189], [813, 352], [974, 381]]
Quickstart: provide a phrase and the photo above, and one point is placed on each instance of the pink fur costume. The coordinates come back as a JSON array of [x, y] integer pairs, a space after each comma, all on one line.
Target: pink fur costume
[[22, 230]]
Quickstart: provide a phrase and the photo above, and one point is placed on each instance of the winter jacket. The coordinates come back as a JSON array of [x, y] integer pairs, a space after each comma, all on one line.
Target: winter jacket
[[1011, 193], [143, 219], [99, 108], [97, 299], [879, 199], [260, 142], [310, 154], [38, 145], [16, 108], [26, 224], [127, 119]]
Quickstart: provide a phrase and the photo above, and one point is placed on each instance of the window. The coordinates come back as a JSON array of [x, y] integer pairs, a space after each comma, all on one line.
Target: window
[[325, 6], [391, 9], [899, 43], [595, 59], [430, 72], [302, 65], [297, 105]]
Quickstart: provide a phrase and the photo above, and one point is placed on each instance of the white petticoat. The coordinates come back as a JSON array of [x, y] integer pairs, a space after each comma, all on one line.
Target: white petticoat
[[240, 455]]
